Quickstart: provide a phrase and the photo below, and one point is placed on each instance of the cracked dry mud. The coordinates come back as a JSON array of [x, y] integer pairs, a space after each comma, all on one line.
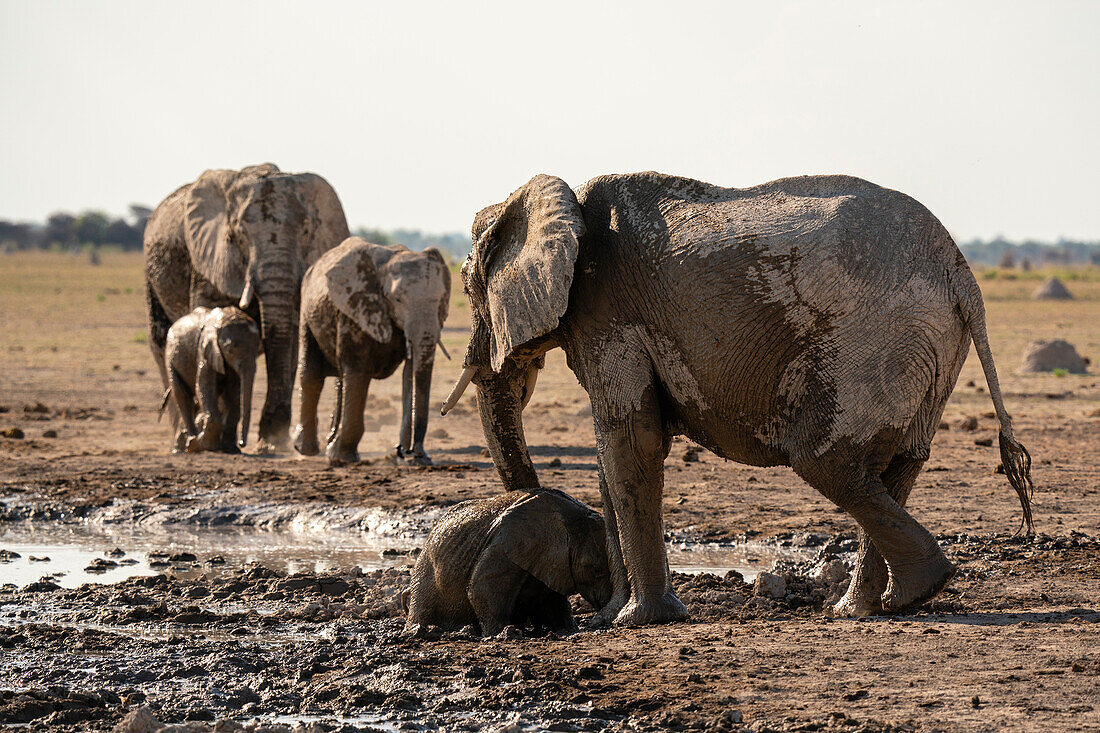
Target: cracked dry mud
[[1012, 644]]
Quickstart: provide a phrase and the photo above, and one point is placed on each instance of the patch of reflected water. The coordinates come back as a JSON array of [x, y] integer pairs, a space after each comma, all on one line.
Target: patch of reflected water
[[749, 559], [73, 555]]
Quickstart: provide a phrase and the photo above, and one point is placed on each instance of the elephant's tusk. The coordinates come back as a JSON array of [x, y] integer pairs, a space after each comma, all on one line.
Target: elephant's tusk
[[460, 387], [529, 386], [443, 349], [246, 296]]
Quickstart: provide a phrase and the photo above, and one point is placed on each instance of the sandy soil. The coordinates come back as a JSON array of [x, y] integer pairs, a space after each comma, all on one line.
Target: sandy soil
[[1012, 644]]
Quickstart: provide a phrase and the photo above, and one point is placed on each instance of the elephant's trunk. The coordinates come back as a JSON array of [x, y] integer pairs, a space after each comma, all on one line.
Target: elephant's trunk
[[279, 322], [248, 377], [422, 353], [499, 399]]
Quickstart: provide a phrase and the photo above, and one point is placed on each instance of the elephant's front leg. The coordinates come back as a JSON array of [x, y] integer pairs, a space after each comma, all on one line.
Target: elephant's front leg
[[494, 585], [231, 396], [632, 450], [404, 440], [207, 392], [619, 583], [345, 449]]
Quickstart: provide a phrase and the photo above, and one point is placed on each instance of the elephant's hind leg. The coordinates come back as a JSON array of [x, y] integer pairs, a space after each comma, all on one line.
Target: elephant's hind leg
[[311, 379], [345, 449], [917, 568], [870, 575]]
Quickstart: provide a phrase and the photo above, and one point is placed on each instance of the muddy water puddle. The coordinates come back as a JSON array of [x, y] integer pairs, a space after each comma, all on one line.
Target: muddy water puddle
[[71, 555], [74, 555]]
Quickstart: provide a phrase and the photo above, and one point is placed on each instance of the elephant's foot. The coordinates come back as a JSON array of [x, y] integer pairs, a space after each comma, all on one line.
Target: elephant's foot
[[307, 446], [338, 457], [654, 610], [606, 615], [265, 448], [914, 583], [857, 603]]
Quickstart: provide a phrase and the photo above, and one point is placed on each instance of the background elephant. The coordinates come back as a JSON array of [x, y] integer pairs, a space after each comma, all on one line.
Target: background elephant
[[365, 309], [211, 358], [510, 559], [242, 237], [817, 322]]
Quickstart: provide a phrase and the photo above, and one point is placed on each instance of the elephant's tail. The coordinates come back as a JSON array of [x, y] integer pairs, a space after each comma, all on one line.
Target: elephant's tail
[[164, 403], [1014, 456]]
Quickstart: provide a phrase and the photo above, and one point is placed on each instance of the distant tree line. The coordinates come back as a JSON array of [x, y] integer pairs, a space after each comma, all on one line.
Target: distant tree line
[[454, 245], [73, 231], [1000, 252], [96, 229]]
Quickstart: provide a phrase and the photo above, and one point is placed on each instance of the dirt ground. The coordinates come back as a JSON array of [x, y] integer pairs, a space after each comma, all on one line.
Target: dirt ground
[[1012, 644]]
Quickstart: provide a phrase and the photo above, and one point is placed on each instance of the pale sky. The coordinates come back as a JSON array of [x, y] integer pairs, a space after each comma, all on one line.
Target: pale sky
[[422, 113]]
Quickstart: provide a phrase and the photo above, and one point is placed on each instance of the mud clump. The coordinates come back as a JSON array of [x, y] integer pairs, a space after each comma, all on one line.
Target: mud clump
[[1052, 289], [13, 433], [1049, 356]]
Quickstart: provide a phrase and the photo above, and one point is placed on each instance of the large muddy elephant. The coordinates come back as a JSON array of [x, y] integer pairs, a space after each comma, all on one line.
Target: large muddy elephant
[[242, 237], [365, 309], [817, 322]]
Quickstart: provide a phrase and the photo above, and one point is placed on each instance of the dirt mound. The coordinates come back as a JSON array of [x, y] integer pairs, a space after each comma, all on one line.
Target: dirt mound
[[1052, 289], [1046, 356]]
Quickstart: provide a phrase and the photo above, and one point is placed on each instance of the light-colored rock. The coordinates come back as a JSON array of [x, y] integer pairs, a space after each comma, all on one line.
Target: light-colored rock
[[832, 572], [769, 585], [1046, 356], [138, 720], [1052, 289]]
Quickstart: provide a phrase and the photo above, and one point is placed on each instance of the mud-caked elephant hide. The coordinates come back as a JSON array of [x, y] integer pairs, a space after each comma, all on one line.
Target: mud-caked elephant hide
[[513, 559], [242, 238], [817, 322], [211, 361], [365, 310]]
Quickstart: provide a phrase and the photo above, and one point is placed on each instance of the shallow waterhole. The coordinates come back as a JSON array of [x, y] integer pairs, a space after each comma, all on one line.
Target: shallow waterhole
[[66, 553]]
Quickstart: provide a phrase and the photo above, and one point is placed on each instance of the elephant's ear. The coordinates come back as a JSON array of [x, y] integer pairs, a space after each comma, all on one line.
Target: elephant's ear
[[354, 287], [445, 304], [210, 352], [521, 267], [207, 222], [327, 226], [533, 536]]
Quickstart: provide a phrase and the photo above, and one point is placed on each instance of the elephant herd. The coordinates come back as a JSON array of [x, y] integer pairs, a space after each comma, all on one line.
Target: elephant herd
[[817, 322], [274, 249]]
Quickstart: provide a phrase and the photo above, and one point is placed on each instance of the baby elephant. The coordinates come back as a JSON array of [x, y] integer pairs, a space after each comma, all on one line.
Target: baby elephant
[[365, 310], [211, 359], [508, 560]]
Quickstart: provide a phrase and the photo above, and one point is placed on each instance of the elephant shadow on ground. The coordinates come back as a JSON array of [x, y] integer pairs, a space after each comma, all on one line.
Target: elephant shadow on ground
[[990, 618], [550, 452]]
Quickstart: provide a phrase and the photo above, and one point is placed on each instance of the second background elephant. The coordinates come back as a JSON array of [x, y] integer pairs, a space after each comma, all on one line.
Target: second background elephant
[[366, 309]]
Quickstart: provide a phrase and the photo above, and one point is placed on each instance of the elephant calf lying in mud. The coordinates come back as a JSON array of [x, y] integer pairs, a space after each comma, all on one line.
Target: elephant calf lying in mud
[[211, 359], [509, 560]]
